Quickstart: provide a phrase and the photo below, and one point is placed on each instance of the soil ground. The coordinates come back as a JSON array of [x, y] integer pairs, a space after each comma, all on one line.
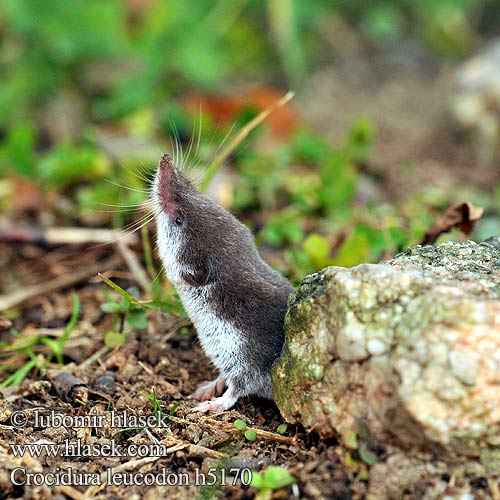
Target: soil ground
[[166, 357]]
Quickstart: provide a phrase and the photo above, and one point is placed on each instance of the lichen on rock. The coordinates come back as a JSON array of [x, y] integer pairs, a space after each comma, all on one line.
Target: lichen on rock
[[411, 346]]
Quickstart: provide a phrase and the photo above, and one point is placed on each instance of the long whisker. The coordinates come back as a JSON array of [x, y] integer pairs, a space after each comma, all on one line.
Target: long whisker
[[132, 207], [125, 233], [215, 152], [200, 121], [158, 274], [178, 152], [226, 137], [150, 214], [187, 154], [117, 211], [196, 175], [138, 204], [147, 178], [196, 134], [137, 190]]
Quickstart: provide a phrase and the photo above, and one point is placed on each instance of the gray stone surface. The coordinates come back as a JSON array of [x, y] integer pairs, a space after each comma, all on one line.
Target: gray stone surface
[[410, 346]]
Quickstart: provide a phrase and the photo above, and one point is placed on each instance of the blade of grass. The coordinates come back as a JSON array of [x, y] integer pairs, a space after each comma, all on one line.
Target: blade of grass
[[57, 346], [19, 375], [124, 293], [72, 322]]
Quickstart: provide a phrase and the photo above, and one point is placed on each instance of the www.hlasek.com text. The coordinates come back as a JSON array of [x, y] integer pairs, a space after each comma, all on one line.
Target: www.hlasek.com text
[[77, 449]]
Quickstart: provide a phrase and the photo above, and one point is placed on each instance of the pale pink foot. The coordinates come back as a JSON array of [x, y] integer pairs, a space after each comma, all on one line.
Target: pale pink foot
[[207, 390], [218, 405]]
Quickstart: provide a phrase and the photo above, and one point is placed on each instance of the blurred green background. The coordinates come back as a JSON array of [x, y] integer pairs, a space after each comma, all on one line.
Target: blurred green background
[[92, 91]]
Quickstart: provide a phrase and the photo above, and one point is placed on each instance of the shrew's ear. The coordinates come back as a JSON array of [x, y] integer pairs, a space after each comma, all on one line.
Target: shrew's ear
[[202, 272]]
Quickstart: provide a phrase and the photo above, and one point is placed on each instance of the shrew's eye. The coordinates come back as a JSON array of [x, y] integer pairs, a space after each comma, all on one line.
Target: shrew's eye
[[178, 221]]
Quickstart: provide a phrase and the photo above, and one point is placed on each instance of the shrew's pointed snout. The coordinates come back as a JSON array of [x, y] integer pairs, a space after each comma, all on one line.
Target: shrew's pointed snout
[[165, 170], [166, 163]]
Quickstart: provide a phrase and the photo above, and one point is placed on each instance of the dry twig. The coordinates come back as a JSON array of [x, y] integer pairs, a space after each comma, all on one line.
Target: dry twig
[[134, 265], [67, 279], [64, 235]]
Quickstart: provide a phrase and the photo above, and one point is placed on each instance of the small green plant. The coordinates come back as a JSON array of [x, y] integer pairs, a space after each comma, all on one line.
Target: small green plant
[[359, 455], [127, 311], [27, 346], [174, 408], [273, 478], [248, 433], [281, 429], [157, 409], [130, 311]]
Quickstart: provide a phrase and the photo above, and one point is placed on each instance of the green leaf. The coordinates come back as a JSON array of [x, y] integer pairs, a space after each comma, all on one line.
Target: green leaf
[[282, 428], [137, 319], [174, 408], [350, 462], [362, 475], [309, 147], [316, 246], [354, 251], [153, 397], [240, 425], [368, 457], [112, 307], [67, 33], [257, 480], [276, 477], [114, 339], [250, 435], [209, 65], [363, 429], [317, 249], [384, 22], [282, 227]]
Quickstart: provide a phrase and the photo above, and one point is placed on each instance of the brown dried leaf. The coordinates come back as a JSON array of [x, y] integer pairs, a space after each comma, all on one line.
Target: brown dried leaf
[[462, 216], [224, 108]]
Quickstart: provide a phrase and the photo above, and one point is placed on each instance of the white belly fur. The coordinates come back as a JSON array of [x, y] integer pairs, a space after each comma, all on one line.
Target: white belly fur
[[221, 341]]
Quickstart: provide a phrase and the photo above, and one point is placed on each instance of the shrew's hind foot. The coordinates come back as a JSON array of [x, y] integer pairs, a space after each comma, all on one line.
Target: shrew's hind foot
[[218, 405], [207, 390]]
